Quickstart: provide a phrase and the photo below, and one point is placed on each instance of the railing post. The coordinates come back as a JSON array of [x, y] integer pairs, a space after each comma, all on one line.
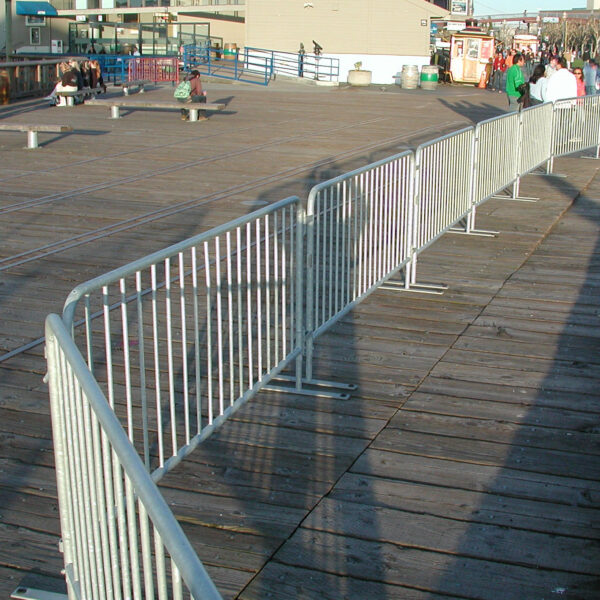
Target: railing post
[[309, 223], [517, 183], [301, 327], [550, 164], [411, 265]]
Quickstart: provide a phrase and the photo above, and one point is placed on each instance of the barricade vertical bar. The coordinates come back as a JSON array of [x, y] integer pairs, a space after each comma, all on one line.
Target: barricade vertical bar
[[259, 320], [142, 368], [157, 386], [219, 308], [230, 320], [170, 364], [249, 304], [209, 357], [239, 283], [184, 361]]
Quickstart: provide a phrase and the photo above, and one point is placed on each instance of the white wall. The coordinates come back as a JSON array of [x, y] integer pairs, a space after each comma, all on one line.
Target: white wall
[[383, 67]]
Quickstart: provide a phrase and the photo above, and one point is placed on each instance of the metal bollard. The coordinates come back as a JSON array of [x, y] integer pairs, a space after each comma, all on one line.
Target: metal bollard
[[32, 139]]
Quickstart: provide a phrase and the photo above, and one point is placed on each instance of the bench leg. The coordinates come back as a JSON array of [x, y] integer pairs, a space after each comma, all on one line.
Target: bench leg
[[114, 112], [193, 114], [70, 101], [32, 139], [141, 89], [126, 91]]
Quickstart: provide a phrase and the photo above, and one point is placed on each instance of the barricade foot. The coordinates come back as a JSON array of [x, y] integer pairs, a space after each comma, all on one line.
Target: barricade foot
[[421, 288], [30, 593], [314, 387], [479, 232], [517, 199]]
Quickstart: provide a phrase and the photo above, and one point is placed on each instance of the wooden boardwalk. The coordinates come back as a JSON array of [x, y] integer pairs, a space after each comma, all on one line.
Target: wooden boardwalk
[[465, 466]]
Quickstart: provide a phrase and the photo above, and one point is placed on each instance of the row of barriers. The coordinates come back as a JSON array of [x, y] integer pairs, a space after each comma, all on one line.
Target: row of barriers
[[150, 359]]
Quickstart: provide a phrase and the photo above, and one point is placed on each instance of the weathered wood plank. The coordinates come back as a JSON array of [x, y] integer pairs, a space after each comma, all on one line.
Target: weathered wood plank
[[490, 478], [483, 541], [468, 506], [445, 573]]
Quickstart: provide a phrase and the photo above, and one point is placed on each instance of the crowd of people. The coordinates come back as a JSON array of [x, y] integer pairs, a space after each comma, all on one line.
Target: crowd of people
[[74, 76], [530, 79]]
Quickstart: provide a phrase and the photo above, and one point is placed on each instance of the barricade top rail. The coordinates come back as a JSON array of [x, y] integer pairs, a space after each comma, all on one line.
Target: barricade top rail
[[444, 137], [143, 263], [479, 124], [345, 176]]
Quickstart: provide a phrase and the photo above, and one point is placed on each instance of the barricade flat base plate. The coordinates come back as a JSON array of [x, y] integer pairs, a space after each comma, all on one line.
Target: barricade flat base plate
[[312, 387], [420, 288], [29, 593], [478, 232], [517, 199]]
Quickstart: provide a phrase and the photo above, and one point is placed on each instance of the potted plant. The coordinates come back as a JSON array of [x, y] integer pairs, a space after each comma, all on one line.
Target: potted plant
[[357, 76]]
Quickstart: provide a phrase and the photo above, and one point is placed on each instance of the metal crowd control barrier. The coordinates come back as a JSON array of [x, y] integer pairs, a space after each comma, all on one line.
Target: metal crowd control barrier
[[153, 69], [119, 537], [176, 342], [575, 127], [496, 156], [358, 236], [180, 339], [443, 183]]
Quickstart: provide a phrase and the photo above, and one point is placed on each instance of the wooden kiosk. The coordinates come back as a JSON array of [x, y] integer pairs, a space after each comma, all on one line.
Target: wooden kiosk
[[470, 52]]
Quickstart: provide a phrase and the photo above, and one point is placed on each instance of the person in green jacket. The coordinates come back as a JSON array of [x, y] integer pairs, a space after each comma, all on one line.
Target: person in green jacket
[[514, 78]]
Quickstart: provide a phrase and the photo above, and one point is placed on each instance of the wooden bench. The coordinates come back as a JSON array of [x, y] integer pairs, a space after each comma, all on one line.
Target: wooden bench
[[135, 83], [32, 131], [116, 104], [82, 93]]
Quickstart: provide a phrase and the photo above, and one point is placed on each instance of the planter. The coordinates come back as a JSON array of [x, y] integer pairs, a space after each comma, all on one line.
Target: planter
[[359, 77]]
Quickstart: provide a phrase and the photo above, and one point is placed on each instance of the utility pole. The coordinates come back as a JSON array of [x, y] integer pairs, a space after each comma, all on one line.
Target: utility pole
[[8, 28]]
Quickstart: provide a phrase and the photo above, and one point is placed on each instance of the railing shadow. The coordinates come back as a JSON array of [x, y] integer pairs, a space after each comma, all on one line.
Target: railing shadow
[[533, 529]]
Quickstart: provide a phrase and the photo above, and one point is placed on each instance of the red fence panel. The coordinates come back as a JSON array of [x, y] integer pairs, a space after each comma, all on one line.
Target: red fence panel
[[154, 69]]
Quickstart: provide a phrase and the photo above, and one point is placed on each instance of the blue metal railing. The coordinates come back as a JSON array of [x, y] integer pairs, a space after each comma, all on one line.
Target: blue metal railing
[[308, 66], [213, 61]]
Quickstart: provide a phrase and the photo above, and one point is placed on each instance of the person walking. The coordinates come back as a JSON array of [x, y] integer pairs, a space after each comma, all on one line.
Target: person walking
[[537, 86], [498, 68], [590, 72], [514, 79], [578, 72], [562, 84]]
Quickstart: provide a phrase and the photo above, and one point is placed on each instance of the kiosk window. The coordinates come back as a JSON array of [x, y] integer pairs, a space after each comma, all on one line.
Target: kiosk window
[[34, 36]]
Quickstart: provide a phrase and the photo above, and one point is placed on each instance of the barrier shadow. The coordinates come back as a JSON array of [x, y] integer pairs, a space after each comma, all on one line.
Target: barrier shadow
[[473, 112], [533, 530]]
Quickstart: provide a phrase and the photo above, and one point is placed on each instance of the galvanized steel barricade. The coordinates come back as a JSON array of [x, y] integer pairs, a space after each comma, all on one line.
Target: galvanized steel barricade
[[180, 339], [358, 236], [535, 137], [496, 156], [443, 184], [119, 537], [153, 69], [575, 126]]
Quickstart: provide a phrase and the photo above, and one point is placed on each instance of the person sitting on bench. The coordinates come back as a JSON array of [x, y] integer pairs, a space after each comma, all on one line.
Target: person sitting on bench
[[67, 83], [197, 94]]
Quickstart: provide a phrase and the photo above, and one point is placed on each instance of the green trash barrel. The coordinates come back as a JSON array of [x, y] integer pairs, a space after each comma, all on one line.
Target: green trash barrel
[[430, 75], [230, 51]]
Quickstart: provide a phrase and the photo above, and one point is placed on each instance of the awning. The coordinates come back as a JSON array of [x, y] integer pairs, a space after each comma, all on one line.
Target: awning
[[42, 9]]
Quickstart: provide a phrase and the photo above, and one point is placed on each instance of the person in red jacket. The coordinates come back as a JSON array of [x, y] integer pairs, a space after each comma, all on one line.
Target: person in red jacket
[[498, 68]]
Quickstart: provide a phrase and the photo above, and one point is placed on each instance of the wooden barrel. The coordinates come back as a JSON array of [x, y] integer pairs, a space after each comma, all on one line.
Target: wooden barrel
[[410, 77]]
